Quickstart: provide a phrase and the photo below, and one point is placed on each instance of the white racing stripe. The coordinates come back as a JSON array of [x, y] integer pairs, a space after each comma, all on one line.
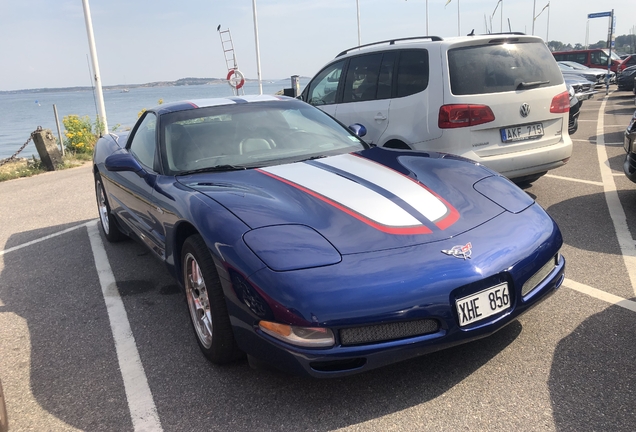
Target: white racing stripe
[[140, 402], [348, 193], [412, 193]]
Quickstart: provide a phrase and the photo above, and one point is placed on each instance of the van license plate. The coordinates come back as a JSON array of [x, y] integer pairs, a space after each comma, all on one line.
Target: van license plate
[[522, 133], [485, 303]]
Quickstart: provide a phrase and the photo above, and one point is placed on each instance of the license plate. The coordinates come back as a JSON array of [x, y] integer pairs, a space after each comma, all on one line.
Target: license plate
[[485, 303], [522, 133]]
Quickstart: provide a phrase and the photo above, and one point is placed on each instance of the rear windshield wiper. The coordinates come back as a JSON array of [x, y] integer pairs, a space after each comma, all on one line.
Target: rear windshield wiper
[[526, 85], [214, 169]]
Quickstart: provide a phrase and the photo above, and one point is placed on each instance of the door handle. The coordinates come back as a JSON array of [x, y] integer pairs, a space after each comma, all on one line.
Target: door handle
[[379, 116]]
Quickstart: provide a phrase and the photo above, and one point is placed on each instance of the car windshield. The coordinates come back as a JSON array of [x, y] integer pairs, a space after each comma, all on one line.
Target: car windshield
[[249, 135], [501, 68], [614, 56]]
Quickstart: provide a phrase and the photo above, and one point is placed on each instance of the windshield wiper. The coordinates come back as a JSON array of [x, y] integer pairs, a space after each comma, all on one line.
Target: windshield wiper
[[214, 169], [525, 85], [313, 158]]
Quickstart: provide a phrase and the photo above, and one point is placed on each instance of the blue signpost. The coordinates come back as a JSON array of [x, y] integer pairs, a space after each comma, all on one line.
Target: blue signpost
[[610, 41]]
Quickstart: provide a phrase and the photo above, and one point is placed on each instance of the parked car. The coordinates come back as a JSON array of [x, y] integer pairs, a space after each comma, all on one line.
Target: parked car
[[627, 62], [575, 107], [593, 58], [302, 246], [583, 89], [496, 99], [4, 418], [629, 144], [597, 76], [626, 79]]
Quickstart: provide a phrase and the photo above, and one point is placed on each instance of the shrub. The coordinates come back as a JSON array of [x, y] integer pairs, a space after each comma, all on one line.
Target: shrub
[[81, 135]]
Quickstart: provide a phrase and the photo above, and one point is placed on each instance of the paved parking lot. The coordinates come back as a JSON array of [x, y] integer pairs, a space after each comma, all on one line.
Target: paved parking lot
[[95, 336]]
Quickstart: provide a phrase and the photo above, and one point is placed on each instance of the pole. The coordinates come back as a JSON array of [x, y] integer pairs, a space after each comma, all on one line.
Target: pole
[[358, 9], [547, 32], [587, 34], [609, 60], [59, 131], [258, 51], [98, 81], [458, 22], [501, 24], [534, 11], [426, 17]]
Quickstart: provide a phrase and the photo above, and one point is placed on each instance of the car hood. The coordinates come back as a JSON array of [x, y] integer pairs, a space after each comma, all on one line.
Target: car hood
[[375, 199]]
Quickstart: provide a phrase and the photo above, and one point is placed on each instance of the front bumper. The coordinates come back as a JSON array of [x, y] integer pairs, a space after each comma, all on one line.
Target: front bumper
[[333, 297]]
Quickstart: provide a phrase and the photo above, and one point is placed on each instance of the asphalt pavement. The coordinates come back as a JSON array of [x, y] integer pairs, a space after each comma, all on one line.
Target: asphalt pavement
[[96, 336]]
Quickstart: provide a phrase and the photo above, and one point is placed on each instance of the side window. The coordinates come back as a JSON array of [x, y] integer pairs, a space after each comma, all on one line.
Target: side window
[[324, 87], [362, 78], [559, 57], [143, 142], [581, 58], [631, 61], [412, 74], [604, 59], [595, 58]]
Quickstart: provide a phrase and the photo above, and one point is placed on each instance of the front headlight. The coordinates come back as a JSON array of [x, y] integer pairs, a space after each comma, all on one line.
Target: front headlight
[[310, 337]]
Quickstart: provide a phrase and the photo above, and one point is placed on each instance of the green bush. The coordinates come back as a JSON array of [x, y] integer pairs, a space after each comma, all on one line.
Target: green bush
[[81, 135]]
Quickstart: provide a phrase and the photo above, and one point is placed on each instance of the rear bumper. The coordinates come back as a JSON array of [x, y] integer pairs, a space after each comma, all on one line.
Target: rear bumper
[[526, 163]]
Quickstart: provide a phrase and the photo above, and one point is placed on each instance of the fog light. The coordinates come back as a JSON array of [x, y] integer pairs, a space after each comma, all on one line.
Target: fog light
[[540, 275], [313, 337]]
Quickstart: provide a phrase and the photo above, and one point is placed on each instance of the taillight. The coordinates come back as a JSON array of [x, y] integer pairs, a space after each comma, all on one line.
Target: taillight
[[464, 115], [560, 103]]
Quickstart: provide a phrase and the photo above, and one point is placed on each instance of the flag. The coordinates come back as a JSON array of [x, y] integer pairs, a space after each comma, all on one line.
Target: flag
[[544, 8], [496, 6]]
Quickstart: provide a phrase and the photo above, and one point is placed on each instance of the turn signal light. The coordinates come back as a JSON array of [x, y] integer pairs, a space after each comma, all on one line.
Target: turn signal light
[[312, 337], [560, 103], [464, 115]]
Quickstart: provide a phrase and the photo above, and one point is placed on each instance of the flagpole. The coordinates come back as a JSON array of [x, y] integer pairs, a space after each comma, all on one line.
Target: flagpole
[[547, 32], [534, 11], [501, 29], [358, 9], [98, 80], [426, 17], [258, 50], [458, 21]]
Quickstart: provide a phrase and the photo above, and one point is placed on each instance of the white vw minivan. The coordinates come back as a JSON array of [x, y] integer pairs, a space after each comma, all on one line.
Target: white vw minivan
[[498, 99]]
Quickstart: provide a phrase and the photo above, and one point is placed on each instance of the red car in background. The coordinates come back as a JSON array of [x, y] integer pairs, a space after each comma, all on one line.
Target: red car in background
[[593, 58], [628, 61]]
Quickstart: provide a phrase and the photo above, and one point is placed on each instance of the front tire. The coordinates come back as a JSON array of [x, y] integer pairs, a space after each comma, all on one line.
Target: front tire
[[206, 303], [107, 221]]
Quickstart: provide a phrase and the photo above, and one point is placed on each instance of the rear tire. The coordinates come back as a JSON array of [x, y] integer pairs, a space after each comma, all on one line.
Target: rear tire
[[206, 303], [107, 221]]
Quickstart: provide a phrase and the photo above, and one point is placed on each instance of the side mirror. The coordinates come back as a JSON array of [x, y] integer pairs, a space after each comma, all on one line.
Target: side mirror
[[123, 162], [358, 130]]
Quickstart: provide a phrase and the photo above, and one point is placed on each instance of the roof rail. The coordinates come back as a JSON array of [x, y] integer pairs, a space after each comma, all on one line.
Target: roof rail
[[505, 33], [390, 42]]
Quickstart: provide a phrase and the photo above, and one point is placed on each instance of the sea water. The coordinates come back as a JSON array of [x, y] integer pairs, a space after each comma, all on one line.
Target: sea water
[[22, 113]]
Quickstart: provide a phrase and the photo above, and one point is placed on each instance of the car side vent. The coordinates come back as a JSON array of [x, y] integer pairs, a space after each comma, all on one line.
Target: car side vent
[[387, 332]]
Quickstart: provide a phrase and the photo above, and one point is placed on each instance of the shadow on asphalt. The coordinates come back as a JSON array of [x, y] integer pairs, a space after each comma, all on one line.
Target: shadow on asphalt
[[75, 374], [27, 236], [592, 384]]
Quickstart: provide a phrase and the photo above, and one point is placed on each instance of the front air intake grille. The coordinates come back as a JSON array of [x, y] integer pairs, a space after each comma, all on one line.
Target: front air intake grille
[[387, 332]]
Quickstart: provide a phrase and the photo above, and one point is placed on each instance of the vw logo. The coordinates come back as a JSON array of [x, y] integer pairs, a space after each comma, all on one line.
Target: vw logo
[[524, 110]]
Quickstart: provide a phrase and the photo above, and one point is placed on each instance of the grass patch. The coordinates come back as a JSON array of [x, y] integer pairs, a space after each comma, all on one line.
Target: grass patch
[[29, 167]]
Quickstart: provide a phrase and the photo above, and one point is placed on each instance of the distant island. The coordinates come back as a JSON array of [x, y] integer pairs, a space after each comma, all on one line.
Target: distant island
[[121, 87]]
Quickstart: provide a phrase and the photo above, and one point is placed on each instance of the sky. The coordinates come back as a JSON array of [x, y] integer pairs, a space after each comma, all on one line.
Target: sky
[[44, 44]]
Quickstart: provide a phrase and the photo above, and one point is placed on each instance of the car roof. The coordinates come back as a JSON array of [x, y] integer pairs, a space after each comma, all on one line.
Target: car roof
[[211, 102], [423, 41]]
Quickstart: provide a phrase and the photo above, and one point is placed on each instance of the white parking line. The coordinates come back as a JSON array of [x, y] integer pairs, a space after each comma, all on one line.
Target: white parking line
[[41, 239], [601, 295], [624, 237], [140, 402], [595, 183]]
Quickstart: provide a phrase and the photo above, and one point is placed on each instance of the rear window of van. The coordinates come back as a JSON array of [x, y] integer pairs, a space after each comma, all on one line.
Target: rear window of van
[[501, 68]]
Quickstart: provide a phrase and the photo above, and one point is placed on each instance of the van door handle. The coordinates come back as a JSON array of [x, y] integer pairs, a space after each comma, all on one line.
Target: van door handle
[[379, 116]]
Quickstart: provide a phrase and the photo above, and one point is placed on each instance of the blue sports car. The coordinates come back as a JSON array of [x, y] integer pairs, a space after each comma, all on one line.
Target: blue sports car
[[298, 244]]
